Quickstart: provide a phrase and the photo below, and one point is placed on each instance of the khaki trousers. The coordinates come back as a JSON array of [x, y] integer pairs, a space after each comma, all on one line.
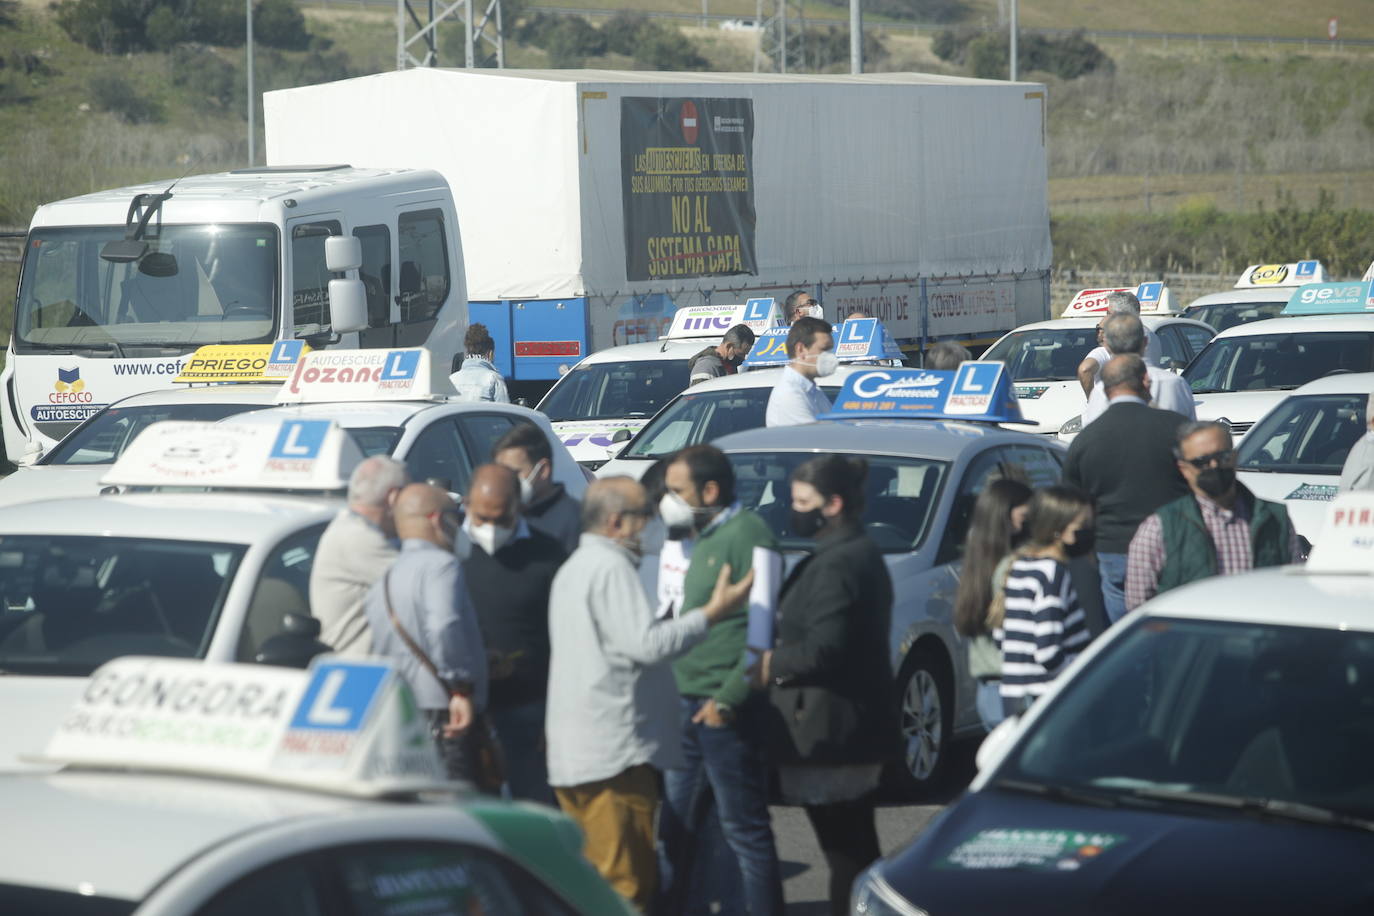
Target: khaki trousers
[[617, 818]]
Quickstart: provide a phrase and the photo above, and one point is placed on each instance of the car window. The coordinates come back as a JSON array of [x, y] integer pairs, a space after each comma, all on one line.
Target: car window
[[1035, 466], [483, 431], [375, 440], [1312, 434], [423, 281], [1044, 354], [70, 604], [900, 495], [106, 435], [1278, 361], [283, 588], [984, 467], [700, 417], [1223, 315], [309, 276], [289, 888], [439, 454], [41, 901], [1174, 347], [615, 391], [398, 879], [1196, 337], [1237, 710]]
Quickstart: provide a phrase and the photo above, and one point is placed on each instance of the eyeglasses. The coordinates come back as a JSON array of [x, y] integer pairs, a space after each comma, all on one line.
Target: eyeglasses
[[1223, 457]]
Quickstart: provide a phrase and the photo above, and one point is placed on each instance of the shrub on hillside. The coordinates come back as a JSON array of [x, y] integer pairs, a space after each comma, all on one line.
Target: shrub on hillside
[[653, 45], [918, 10], [120, 26], [280, 24], [987, 54], [112, 93], [572, 41], [623, 32], [204, 75], [9, 10]]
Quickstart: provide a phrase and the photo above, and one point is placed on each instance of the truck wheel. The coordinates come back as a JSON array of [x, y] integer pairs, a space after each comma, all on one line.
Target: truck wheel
[[927, 721]]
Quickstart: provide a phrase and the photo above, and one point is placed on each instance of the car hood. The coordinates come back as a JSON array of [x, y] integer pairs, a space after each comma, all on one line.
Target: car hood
[[995, 851], [590, 440], [1306, 496], [1049, 404], [37, 705], [1242, 409], [56, 481]]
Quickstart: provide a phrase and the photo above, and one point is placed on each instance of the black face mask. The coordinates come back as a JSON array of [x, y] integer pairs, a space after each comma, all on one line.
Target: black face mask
[[1083, 542], [1216, 481], [807, 524], [679, 532]]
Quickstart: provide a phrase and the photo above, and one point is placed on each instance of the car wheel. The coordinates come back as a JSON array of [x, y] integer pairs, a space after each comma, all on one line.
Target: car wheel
[[927, 720]]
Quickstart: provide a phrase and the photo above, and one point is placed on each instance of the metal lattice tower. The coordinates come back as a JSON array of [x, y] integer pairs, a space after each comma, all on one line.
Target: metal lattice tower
[[780, 46], [476, 35]]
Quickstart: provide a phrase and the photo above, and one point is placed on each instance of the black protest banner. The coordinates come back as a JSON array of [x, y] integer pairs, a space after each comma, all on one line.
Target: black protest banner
[[687, 176]]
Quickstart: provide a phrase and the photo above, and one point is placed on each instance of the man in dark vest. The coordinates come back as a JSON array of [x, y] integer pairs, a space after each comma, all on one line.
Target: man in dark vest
[[722, 359], [1218, 529]]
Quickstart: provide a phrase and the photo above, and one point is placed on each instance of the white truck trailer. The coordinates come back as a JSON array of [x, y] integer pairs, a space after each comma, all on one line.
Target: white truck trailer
[[593, 204]]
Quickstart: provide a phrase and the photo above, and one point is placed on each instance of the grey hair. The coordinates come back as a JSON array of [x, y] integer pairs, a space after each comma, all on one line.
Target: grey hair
[[374, 478], [741, 335], [946, 355], [604, 498], [1123, 333], [1122, 302], [1192, 427]]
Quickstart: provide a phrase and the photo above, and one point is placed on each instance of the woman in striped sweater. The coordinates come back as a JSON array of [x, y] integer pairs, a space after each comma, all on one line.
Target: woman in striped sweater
[[1044, 627]]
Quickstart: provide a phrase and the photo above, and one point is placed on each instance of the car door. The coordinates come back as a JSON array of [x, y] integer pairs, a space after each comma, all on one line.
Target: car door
[[1196, 336], [438, 453], [481, 432], [1177, 353]]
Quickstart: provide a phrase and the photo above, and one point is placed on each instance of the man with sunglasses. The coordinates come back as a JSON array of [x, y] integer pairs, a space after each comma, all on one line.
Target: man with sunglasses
[[801, 304], [1219, 528]]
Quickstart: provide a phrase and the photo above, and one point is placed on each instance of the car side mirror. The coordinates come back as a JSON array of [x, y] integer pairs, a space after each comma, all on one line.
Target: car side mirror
[[296, 644], [997, 743], [620, 435], [32, 453]]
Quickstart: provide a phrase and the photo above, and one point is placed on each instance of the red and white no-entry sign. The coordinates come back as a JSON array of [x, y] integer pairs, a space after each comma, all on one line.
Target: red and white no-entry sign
[[1331, 26], [689, 122]]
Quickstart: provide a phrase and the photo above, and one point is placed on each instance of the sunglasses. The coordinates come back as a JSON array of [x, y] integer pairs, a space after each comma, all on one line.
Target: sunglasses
[[1223, 457]]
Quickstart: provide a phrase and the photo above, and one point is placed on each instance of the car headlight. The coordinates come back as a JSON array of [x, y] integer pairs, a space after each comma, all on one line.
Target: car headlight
[[872, 896], [1072, 426]]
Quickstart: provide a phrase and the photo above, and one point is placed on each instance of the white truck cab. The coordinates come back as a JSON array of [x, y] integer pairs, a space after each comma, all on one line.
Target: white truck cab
[[118, 287]]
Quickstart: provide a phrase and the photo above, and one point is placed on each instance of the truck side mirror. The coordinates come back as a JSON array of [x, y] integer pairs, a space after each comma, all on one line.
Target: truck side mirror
[[343, 253], [296, 644], [347, 305]]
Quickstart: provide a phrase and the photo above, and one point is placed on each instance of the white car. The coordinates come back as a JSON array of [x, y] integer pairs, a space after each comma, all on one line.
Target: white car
[[1260, 292], [1247, 370], [1294, 455], [1043, 361], [74, 466], [205, 789]]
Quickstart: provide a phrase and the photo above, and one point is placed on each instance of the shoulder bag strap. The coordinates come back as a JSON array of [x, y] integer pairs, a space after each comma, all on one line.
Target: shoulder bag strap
[[406, 638]]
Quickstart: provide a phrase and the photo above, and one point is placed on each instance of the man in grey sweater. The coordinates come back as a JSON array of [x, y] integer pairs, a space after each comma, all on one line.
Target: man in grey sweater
[[354, 551], [612, 703]]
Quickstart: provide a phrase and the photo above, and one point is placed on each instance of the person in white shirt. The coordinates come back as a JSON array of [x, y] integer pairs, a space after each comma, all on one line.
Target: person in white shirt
[[796, 398], [1358, 471], [1121, 302], [1124, 333]]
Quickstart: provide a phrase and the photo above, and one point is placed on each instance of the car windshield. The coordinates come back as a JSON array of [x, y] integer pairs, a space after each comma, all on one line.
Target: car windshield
[[1311, 434], [1263, 362], [615, 391], [1044, 354], [1220, 710], [1223, 315], [196, 284], [900, 495], [106, 435], [70, 604], [42, 901]]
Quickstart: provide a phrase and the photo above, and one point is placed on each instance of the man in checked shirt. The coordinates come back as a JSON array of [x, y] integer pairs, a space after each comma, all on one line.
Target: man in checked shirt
[[1220, 528]]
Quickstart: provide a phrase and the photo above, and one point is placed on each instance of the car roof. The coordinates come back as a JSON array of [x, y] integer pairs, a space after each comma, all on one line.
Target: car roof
[[1286, 596], [355, 414], [175, 818], [767, 378], [1295, 324], [1089, 321], [204, 394], [1250, 294], [941, 440], [225, 517], [651, 350], [1342, 383]]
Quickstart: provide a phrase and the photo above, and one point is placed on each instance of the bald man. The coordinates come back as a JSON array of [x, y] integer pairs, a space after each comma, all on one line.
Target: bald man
[[509, 568], [423, 622], [612, 707]]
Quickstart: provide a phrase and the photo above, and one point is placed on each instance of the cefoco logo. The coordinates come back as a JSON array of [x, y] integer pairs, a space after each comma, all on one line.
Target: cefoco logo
[[69, 388]]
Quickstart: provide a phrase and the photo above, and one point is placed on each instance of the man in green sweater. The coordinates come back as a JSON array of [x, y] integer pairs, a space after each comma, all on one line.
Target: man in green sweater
[[721, 719]]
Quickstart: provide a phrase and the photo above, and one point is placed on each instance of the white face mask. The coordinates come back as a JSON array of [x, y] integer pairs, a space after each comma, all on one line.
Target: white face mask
[[826, 363], [489, 537], [527, 484], [813, 311], [679, 515]]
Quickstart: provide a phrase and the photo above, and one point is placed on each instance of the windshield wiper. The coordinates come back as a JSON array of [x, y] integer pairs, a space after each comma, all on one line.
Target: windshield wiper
[[1210, 391], [1047, 378], [1057, 792], [112, 345], [1272, 807]]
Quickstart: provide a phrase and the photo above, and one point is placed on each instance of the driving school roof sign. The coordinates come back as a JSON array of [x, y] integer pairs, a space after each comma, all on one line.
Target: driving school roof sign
[[297, 454], [857, 340], [346, 726], [221, 363], [360, 375], [1260, 276], [977, 390], [1332, 299], [1154, 297], [713, 321], [1346, 544]]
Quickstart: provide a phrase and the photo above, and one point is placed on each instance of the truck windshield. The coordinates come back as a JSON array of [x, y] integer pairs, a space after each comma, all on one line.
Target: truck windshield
[[1262, 362], [615, 391], [195, 285], [70, 604], [1044, 354]]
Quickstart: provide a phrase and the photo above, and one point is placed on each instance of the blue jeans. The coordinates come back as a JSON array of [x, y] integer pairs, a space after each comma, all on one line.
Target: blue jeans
[[728, 762], [989, 699], [1112, 568], [521, 730]]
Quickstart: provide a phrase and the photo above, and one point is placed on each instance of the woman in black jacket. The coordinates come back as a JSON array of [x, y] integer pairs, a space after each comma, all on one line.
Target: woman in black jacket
[[830, 684]]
